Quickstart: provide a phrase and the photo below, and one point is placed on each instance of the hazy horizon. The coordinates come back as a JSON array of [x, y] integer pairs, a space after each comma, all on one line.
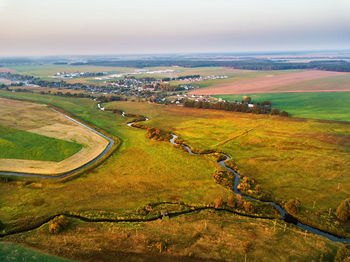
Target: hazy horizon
[[52, 28]]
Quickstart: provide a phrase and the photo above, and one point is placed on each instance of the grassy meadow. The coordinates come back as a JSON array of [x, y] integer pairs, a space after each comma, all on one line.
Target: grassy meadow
[[139, 172], [13, 252], [328, 106], [279, 153], [19, 144], [204, 236]]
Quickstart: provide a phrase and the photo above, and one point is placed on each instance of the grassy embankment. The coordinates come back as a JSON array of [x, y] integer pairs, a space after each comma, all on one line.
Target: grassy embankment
[[279, 153], [19, 144], [328, 106], [140, 172]]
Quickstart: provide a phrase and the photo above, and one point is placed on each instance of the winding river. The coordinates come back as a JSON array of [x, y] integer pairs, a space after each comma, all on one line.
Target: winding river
[[284, 214]]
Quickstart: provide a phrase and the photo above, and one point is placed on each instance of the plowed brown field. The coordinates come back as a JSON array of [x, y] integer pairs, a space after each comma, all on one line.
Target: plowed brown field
[[268, 84]]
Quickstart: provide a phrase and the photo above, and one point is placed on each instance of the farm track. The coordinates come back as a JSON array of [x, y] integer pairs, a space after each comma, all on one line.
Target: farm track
[[237, 136], [68, 173]]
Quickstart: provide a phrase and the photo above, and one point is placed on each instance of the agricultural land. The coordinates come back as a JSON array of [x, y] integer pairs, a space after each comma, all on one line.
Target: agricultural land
[[39, 140]]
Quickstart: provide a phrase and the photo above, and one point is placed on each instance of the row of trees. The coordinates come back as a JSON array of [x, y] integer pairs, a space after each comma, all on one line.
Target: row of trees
[[252, 64], [58, 224], [167, 79], [168, 88], [106, 99], [235, 201], [236, 107], [157, 134]]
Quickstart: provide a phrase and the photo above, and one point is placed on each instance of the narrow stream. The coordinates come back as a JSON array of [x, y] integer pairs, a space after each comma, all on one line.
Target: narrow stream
[[284, 214]]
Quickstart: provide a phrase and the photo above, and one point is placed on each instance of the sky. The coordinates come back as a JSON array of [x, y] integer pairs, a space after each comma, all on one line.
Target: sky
[[76, 27]]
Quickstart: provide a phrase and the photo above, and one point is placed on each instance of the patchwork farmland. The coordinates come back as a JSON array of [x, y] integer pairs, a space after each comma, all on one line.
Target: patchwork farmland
[[39, 119]]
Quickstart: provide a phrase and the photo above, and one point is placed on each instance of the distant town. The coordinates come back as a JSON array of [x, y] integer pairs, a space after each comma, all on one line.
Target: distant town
[[158, 90]]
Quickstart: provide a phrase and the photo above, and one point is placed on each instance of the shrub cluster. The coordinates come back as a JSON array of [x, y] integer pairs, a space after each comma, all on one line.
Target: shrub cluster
[[246, 184], [343, 210], [157, 134], [249, 186], [225, 178], [248, 207], [235, 201], [219, 157], [293, 206], [114, 111], [218, 202], [58, 224], [106, 99], [232, 164], [145, 209], [343, 254]]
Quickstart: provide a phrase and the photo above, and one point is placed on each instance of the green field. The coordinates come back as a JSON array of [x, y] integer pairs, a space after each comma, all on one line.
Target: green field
[[328, 106], [280, 153], [19, 144], [10, 252]]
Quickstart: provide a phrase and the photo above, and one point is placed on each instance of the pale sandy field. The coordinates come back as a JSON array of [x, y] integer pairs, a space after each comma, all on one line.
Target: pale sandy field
[[37, 118]]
